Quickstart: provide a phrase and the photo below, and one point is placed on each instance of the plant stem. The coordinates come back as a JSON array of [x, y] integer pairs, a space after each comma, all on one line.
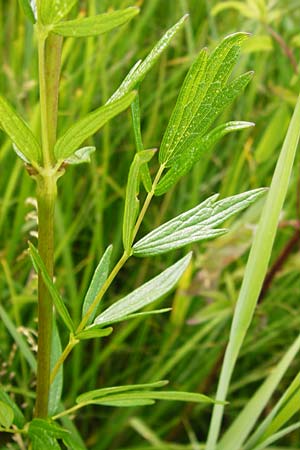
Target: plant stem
[[72, 342], [49, 49]]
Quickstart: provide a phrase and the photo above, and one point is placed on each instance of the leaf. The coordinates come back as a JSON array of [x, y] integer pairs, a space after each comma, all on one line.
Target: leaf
[[136, 315], [136, 124], [19, 132], [95, 25], [94, 332], [195, 224], [55, 295], [131, 208], [44, 434], [241, 7], [194, 151], [19, 419], [82, 155], [99, 278], [147, 293], [86, 127], [27, 8], [57, 384], [6, 415], [125, 399], [141, 68], [125, 402], [99, 393], [52, 11]]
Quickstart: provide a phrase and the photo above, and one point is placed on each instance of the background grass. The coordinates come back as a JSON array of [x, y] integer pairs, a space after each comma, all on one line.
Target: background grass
[[187, 345]]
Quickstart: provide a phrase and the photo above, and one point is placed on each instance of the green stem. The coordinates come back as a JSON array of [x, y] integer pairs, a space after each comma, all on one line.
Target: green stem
[[49, 50], [109, 280], [46, 193]]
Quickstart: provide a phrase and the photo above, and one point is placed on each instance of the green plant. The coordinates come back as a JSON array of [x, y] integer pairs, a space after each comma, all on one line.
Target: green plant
[[205, 94]]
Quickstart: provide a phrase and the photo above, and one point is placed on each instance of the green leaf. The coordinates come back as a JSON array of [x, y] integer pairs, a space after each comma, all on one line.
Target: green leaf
[[94, 332], [136, 315], [95, 25], [19, 132], [82, 155], [27, 8], [145, 294], [55, 295], [6, 415], [57, 385], [86, 127], [136, 124], [99, 278], [242, 7], [125, 399], [99, 393], [141, 68], [125, 402], [52, 11], [131, 208], [195, 149], [195, 225], [19, 419], [44, 434]]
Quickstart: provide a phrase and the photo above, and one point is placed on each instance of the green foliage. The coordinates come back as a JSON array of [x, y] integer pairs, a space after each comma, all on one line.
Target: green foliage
[[6, 415], [56, 297], [93, 26], [52, 11], [205, 93], [99, 278], [27, 9], [194, 225], [131, 208], [69, 142], [19, 132], [154, 289], [44, 434]]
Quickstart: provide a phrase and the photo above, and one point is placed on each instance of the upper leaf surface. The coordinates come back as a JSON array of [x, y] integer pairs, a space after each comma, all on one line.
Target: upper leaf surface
[[52, 11], [86, 127], [145, 294], [95, 25], [19, 132], [194, 225], [29, 12], [6, 415], [202, 97]]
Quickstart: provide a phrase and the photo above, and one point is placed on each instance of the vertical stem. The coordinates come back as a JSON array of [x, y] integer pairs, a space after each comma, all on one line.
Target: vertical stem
[[49, 48], [46, 193]]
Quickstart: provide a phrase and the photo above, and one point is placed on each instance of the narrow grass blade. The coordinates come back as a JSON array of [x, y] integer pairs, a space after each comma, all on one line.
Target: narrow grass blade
[[99, 278], [194, 225], [86, 127], [131, 208], [256, 267], [19, 132], [235, 436], [99, 393], [141, 68], [55, 295], [275, 437], [18, 338], [146, 294], [95, 25]]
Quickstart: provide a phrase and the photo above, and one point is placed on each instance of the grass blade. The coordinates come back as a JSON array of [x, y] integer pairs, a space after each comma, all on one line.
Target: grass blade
[[256, 267]]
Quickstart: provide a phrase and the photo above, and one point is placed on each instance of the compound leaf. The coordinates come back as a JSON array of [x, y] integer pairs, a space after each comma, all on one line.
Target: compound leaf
[[194, 225]]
